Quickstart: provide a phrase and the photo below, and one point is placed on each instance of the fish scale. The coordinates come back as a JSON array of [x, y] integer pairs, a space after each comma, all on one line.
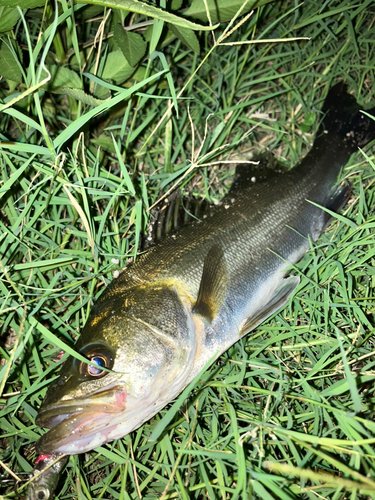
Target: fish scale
[[193, 294]]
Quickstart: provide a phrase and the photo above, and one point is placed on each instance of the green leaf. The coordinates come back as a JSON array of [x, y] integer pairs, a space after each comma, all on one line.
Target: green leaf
[[124, 170], [187, 37], [13, 179], [113, 457], [9, 68], [80, 95], [104, 142], [8, 18], [77, 124], [308, 123], [27, 148], [43, 263], [221, 10], [91, 12], [117, 68], [148, 10], [132, 45], [176, 4], [23, 4], [350, 378], [62, 77], [23, 118]]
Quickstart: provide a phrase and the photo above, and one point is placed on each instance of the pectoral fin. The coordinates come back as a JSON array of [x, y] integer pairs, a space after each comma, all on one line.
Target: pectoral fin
[[279, 298], [213, 285]]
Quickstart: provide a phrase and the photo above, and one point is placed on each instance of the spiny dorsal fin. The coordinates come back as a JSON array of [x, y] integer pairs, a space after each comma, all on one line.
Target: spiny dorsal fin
[[172, 213], [213, 284], [175, 211], [246, 173]]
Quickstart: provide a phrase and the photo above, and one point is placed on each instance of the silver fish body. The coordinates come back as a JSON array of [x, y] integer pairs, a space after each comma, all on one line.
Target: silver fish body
[[191, 296]]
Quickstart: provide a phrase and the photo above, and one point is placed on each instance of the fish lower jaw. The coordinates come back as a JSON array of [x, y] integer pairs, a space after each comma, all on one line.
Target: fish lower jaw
[[93, 430], [82, 431]]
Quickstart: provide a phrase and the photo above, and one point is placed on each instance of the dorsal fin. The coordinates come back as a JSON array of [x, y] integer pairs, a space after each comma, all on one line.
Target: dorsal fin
[[267, 166], [176, 211], [213, 284], [173, 212]]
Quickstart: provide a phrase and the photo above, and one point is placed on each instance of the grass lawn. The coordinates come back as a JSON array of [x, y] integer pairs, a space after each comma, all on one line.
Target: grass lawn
[[95, 122]]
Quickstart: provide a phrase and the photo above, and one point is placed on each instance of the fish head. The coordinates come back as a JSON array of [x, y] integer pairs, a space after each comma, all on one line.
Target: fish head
[[139, 349]]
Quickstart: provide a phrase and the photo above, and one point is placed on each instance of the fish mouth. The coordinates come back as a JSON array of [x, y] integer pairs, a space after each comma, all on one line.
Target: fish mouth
[[80, 424]]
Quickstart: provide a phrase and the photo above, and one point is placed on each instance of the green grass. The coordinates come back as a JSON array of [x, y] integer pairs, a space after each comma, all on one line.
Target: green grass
[[287, 412]]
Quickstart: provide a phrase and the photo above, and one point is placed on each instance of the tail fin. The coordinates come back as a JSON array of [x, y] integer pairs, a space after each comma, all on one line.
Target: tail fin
[[343, 117]]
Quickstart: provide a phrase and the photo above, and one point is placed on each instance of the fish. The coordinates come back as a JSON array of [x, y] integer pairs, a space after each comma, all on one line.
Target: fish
[[45, 476], [199, 289]]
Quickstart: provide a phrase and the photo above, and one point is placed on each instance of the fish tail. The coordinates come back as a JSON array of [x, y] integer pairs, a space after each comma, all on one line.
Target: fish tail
[[345, 119], [344, 129]]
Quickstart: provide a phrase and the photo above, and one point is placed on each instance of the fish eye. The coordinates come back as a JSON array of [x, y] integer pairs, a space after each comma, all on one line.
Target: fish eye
[[42, 493], [94, 371], [101, 357]]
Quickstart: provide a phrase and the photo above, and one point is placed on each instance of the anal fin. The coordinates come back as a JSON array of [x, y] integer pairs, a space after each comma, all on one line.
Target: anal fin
[[279, 298], [337, 199]]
